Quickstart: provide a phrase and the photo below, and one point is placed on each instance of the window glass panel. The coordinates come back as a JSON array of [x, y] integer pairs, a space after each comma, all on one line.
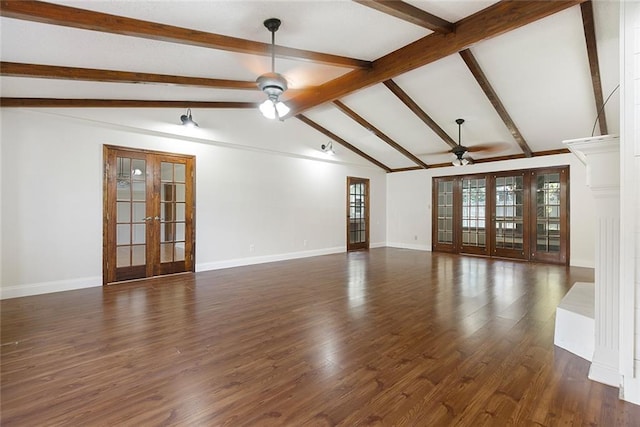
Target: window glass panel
[[138, 255], [123, 190], [166, 252], [180, 211], [445, 212], [548, 212], [167, 232], [509, 212], [179, 252], [168, 211], [139, 233], [139, 191], [138, 170], [123, 256], [123, 234], [167, 192], [166, 172], [180, 227], [123, 212], [180, 172], [180, 193], [123, 169], [473, 211], [139, 211]]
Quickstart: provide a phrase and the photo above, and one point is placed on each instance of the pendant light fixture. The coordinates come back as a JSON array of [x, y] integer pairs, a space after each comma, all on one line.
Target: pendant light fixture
[[273, 84]]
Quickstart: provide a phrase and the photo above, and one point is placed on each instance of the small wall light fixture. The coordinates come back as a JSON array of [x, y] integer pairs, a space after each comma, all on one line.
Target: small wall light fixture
[[187, 120], [328, 148]]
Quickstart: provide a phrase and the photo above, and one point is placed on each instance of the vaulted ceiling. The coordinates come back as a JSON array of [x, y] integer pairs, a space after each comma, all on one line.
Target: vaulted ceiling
[[383, 80]]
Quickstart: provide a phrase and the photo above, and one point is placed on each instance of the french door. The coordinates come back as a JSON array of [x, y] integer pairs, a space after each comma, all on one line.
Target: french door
[[148, 214], [515, 214], [357, 213]]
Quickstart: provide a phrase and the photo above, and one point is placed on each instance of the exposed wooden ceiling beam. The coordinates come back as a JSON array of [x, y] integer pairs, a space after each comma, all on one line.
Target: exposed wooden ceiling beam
[[592, 52], [117, 103], [415, 108], [67, 16], [342, 142], [497, 19], [482, 80], [377, 132], [14, 69], [410, 13]]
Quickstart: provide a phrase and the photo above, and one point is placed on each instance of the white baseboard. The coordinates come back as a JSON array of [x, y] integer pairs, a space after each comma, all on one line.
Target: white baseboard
[[409, 246], [630, 389], [604, 374], [581, 263], [17, 291], [239, 262]]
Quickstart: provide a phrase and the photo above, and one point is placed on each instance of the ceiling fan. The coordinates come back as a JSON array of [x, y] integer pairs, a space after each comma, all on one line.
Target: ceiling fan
[[273, 84], [460, 150]]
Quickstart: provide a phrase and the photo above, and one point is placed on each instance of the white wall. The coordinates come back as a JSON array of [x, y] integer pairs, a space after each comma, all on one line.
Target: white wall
[[409, 204], [51, 213]]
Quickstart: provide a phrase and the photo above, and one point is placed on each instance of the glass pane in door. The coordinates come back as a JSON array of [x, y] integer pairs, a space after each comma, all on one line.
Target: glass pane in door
[[357, 218], [172, 212], [445, 212], [548, 212], [509, 212], [474, 212], [130, 211]]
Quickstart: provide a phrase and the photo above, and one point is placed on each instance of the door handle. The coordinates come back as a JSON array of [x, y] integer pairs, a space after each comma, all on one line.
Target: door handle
[[149, 218]]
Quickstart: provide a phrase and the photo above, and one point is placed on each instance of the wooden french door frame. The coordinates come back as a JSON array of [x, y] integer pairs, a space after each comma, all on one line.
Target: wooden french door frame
[[510, 196], [357, 213], [542, 215], [159, 217]]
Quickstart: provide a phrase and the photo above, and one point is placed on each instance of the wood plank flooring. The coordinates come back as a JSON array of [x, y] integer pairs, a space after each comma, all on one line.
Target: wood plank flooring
[[385, 337]]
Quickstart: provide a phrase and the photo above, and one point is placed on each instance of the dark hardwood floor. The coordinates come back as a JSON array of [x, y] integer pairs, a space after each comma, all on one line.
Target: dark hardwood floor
[[385, 337]]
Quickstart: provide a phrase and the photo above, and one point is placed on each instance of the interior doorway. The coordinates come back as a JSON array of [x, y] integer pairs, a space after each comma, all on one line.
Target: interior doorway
[[148, 222], [357, 213]]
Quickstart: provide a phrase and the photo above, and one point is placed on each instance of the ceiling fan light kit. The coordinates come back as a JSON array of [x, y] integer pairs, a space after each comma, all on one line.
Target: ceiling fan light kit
[[273, 84]]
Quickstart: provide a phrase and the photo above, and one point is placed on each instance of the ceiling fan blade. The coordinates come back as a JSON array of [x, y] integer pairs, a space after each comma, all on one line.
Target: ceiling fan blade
[[492, 147]]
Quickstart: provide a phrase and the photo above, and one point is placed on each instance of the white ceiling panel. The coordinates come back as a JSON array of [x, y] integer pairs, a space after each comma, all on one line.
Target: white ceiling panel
[[321, 26], [22, 42], [380, 107], [446, 90], [541, 74]]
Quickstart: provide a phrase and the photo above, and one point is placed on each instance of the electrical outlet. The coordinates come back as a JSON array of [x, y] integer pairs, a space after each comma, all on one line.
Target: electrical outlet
[[415, 237], [304, 243], [251, 248]]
